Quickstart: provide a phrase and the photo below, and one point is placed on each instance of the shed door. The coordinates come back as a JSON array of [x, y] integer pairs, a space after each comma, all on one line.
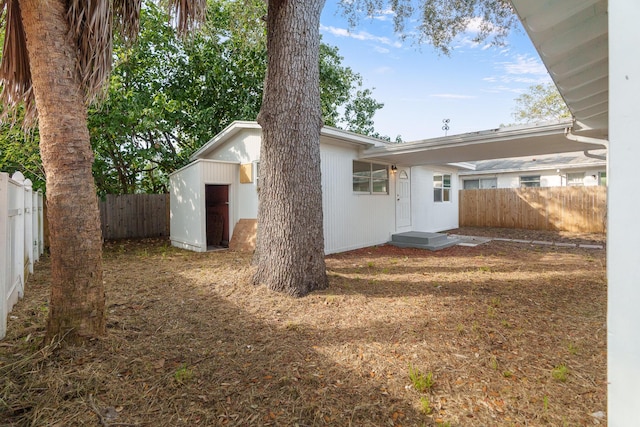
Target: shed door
[[403, 198], [217, 204]]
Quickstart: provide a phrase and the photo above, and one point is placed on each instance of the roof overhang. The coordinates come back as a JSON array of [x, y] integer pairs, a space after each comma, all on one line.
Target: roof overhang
[[516, 141], [572, 38], [327, 134]]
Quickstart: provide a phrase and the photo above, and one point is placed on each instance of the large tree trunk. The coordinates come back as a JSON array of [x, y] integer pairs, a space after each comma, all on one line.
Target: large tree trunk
[[290, 243], [76, 310]]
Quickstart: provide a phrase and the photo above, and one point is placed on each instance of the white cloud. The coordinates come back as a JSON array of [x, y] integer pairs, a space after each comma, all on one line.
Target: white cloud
[[360, 35], [383, 15], [383, 70], [476, 24], [381, 49], [516, 75], [451, 96], [524, 64]]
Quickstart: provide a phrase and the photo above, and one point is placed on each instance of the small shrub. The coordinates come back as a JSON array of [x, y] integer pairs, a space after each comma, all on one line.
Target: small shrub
[[425, 405], [420, 381], [560, 373], [183, 374]]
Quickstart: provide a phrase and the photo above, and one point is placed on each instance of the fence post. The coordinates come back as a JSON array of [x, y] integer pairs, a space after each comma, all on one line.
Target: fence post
[[18, 234], [28, 230], [4, 251]]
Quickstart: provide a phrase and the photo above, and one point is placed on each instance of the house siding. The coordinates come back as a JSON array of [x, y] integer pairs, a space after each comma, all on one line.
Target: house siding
[[548, 178], [352, 220], [426, 214]]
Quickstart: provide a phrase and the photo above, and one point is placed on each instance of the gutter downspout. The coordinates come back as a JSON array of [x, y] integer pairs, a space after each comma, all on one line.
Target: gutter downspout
[[587, 140]]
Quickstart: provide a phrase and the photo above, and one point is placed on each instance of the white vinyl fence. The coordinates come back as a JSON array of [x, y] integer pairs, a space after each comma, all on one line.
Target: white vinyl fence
[[21, 239]]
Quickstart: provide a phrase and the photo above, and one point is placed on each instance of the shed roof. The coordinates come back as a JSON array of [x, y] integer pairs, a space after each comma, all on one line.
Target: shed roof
[[329, 133]]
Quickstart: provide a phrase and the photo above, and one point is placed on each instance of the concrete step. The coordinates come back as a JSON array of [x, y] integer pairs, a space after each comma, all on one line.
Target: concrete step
[[423, 240]]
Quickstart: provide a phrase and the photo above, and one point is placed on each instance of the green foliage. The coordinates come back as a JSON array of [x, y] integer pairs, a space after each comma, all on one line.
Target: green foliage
[[560, 373], [19, 151], [425, 405], [541, 103], [183, 374], [421, 382]]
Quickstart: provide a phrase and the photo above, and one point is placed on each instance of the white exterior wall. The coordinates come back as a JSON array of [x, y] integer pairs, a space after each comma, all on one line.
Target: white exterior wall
[[547, 178], [623, 256], [187, 208], [243, 147], [352, 220], [427, 215]]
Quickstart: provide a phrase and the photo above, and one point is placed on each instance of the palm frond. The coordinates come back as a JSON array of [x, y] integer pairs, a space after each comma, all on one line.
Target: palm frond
[[127, 17], [15, 74], [91, 26], [188, 14]]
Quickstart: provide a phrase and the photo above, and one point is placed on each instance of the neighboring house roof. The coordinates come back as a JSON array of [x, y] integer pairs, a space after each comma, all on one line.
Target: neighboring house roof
[[572, 38], [505, 142], [334, 134], [564, 162]]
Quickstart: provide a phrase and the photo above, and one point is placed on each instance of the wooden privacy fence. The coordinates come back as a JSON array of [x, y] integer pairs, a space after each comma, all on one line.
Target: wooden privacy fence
[[130, 216], [575, 209], [21, 239]]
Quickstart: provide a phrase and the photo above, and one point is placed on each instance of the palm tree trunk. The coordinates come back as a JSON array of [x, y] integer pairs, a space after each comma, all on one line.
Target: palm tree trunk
[[76, 309], [290, 244]]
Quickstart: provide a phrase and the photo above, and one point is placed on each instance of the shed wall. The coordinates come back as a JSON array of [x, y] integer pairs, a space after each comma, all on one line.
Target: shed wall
[[186, 193], [243, 147]]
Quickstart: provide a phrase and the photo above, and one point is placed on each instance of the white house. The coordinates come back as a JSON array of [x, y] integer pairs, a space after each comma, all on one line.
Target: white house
[[551, 170], [365, 200]]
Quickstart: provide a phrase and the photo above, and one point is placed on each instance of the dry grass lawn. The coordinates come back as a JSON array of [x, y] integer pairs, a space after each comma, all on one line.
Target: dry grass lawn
[[502, 334]]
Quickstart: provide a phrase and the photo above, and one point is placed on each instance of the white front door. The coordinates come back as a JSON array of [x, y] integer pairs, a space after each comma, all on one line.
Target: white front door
[[403, 198]]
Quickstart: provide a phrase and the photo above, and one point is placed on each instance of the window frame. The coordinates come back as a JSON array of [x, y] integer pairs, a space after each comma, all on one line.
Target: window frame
[[572, 179], [480, 182], [602, 178], [376, 177], [527, 180], [441, 190]]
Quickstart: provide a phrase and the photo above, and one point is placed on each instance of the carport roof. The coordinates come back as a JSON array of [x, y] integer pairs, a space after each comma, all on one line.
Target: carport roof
[[572, 38], [513, 141]]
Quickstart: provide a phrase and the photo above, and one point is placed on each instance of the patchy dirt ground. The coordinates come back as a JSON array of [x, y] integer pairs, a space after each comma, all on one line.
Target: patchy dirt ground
[[508, 334]]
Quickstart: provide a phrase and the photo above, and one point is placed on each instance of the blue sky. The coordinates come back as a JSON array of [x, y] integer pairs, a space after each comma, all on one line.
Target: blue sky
[[474, 88]]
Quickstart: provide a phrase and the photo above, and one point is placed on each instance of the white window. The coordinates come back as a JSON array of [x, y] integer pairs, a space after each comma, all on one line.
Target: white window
[[530, 181], [575, 179], [370, 178], [602, 178], [442, 188], [481, 183]]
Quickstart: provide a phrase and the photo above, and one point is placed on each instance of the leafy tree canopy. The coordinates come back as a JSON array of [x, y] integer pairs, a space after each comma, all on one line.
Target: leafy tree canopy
[[541, 103], [438, 22]]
